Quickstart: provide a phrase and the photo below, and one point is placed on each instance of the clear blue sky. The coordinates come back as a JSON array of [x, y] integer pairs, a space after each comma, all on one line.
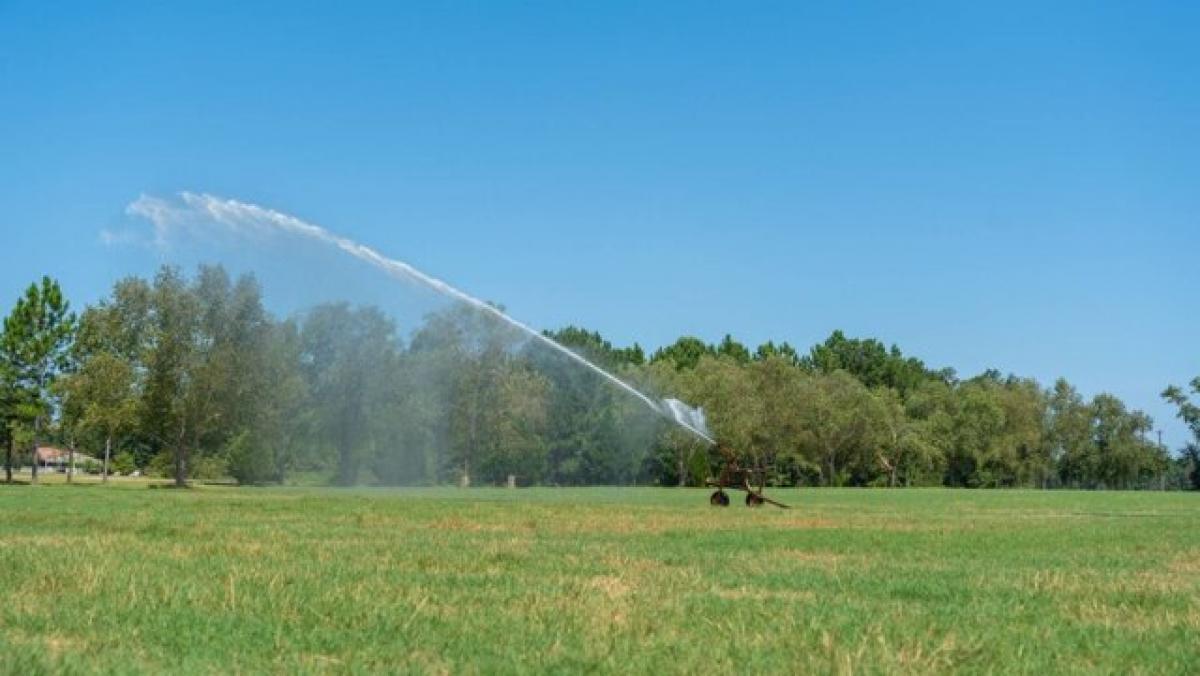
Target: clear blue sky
[[1013, 186]]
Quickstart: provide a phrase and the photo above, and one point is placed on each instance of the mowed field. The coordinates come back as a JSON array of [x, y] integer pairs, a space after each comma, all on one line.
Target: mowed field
[[226, 580]]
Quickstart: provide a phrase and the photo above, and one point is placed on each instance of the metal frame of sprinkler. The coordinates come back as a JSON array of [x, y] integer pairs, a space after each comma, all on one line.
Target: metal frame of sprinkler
[[738, 477]]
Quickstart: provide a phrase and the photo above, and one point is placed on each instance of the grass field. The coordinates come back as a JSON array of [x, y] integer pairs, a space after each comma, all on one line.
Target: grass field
[[218, 580]]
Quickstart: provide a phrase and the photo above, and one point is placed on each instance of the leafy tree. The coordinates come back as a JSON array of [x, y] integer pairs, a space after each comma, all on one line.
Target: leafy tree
[[284, 419], [783, 351], [838, 414], [998, 433], [1024, 406], [907, 448], [727, 393], [582, 429], [778, 435], [734, 350], [588, 421], [678, 456], [932, 409], [403, 421], [1119, 435], [498, 403], [102, 394], [595, 348], [191, 373], [11, 413], [1191, 455], [1189, 413], [170, 364], [684, 353], [343, 349], [428, 375], [35, 347], [514, 442], [1069, 435], [978, 457], [868, 361], [254, 366]]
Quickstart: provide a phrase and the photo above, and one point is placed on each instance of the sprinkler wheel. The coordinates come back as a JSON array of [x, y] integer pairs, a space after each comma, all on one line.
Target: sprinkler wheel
[[754, 500], [719, 498]]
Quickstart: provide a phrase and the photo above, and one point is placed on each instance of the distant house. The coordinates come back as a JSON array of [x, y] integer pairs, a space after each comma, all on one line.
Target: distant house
[[59, 459]]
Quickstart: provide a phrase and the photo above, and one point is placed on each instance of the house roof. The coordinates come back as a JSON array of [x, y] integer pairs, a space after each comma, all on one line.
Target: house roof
[[50, 453], [55, 455]]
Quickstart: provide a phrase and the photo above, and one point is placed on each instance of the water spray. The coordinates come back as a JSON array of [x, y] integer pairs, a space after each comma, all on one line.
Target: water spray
[[240, 216]]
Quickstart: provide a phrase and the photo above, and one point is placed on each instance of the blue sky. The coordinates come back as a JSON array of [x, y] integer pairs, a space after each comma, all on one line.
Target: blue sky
[[1010, 185]]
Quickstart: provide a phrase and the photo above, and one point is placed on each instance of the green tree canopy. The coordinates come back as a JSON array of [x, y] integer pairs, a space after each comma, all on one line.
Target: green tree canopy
[[35, 346]]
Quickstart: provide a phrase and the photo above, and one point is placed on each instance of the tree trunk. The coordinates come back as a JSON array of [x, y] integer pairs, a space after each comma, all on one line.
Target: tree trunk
[[682, 469], [37, 431], [71, 463], [472, 441], [8, 458], [181, 459], [107, 453]]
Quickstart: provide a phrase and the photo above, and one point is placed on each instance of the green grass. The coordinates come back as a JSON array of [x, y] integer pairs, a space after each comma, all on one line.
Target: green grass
[[220, 580]]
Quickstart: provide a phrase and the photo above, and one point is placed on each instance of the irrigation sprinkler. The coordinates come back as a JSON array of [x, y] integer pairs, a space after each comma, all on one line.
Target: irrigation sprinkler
[[736, 476]]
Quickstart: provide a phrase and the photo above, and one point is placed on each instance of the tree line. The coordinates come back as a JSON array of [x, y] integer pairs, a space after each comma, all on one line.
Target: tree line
[[192, 378]]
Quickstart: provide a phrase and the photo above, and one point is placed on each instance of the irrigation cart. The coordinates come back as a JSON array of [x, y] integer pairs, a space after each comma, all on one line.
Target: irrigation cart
[[734, 475]]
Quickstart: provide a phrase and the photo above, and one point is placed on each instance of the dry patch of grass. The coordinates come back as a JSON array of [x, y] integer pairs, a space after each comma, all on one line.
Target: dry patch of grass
[[1187, 563], [930, 654], [610, 585], [1136, 620], [55, 644], [459, 524]]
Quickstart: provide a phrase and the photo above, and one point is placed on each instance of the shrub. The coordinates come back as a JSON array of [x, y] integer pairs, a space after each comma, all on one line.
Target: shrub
[[248, 463], [161, 465], [200, 468], [209, 468], [123, 463]]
